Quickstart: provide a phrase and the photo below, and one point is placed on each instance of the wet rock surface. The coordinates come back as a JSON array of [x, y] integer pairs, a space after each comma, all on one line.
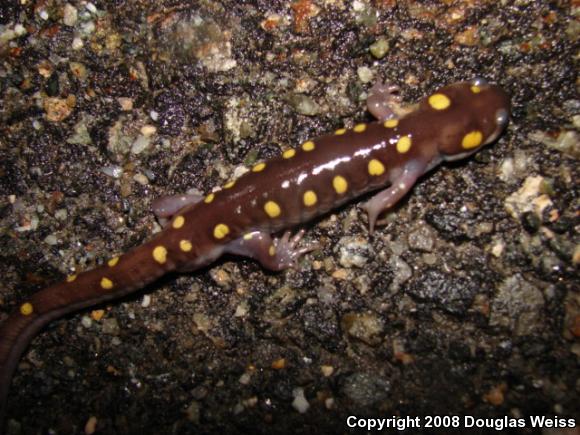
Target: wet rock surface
[[466, 302]]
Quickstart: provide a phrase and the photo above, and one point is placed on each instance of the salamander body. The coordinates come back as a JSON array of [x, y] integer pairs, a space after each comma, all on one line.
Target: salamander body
[[302, 183]]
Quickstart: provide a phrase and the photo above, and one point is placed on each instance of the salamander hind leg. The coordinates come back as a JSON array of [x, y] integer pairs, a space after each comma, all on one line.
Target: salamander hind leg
[[272, 253], [387, 198]]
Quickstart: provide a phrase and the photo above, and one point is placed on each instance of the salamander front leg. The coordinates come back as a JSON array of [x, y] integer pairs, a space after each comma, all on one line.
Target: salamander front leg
[[273, 254], [387, 198], [166, 207], [383, 101]]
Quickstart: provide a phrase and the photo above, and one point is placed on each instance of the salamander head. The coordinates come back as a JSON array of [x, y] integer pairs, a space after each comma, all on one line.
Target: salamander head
[[473, 114]]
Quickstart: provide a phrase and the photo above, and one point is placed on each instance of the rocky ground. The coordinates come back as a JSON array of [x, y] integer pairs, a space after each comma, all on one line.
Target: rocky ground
[[465, 303]]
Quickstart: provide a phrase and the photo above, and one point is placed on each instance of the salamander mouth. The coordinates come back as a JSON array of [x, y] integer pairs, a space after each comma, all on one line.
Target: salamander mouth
[[501, 120]]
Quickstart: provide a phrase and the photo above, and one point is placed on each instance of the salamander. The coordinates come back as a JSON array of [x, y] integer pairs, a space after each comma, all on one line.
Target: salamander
[[387, 156]]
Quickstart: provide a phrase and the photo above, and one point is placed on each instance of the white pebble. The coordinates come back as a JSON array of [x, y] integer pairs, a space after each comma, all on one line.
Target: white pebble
[[88, 27], [113, 171], [245, 379], [140, 144], [91, 8], [19, 29], [146, 301], [241, 309], [86, 321], [61, 214], [70, 15], [300, 403], [43, 14], [154, 115], [358, 6], [141, 179], [51, 240], [77, 43], [365, 74]]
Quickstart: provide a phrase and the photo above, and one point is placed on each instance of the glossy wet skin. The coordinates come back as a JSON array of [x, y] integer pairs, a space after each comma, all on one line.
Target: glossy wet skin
[[321, 174], [450, 124]]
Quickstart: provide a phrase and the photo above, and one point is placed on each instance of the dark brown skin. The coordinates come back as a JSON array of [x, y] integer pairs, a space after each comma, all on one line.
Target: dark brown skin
[[273, 196]]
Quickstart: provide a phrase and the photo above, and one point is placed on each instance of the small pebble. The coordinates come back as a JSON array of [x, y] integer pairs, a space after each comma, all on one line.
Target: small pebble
[[279, 364], [380, 48], [113, 171], [87, 322], [77, 43], [245, 379], [141, 179], [300, 403], [70, 15], [148, 130], [51, 240], [140, 144], [146, 301], [327, 370], [125, 103], [365, 74], [91, 426], [305, 105], [19, 29]]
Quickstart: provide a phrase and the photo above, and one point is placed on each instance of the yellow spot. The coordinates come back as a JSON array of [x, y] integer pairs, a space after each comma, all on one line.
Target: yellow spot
[[248, 236], [359, 128], [272, 209], [475, 89], [391, 123], [220, 231], [106, 283], [376, 167], [288, 154], [160, 254], [178, 222], [308, 145], [340, 131], [209, 198], [185, 245], [26, 309], [472, 139], [71, 278], [229, 184], [404, 144], [272, 250], [309, 198], [259, 167], [439, 101], [339, 184], [113, 261]]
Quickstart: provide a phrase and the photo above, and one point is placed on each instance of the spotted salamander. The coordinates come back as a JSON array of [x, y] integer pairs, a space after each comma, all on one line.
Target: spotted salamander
[[300, 184]]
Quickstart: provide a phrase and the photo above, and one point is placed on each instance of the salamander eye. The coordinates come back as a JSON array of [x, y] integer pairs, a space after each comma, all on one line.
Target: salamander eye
[[501, 120], [501, 117], [479, 81]]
